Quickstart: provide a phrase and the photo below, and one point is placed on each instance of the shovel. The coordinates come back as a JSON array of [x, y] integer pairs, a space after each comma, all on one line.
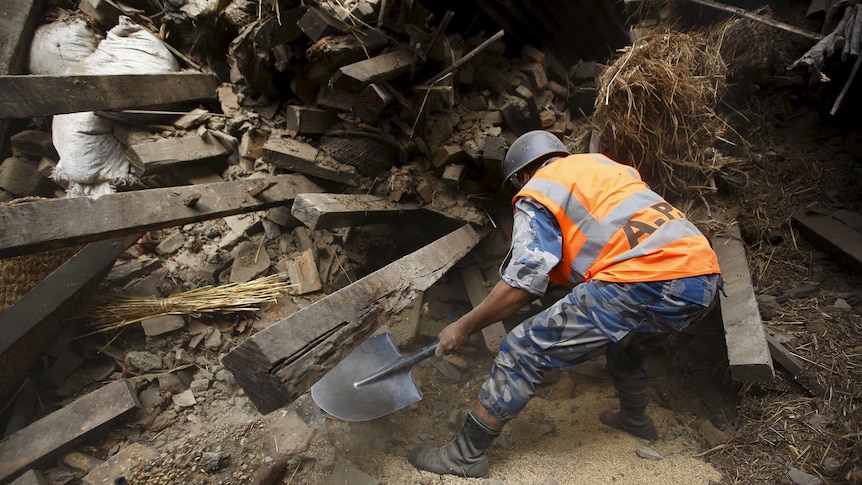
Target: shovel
[[373, 381]]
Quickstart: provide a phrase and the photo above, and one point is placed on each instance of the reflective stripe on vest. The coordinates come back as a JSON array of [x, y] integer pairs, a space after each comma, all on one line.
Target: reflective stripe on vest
[[636, 221]]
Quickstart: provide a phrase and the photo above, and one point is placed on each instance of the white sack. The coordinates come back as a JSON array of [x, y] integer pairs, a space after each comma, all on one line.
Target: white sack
[[92, 160], [60, 45]]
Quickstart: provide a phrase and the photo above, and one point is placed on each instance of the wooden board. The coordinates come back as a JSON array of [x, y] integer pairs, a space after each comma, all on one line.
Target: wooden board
[[157, 156], [61, 220], [833, 235], [795, 367], [18, 21], [26, 96], [37, 317], [280, 363], [75, 421], [747, 348], [328, 211], [474, 283], [296, 156]]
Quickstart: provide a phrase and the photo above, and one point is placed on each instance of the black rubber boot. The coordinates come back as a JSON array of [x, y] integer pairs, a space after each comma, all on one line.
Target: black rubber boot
[[626, 366], [632, 420], [463, 456]]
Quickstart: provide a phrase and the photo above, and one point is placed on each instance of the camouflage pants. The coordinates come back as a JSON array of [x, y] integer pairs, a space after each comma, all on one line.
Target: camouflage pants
[[594, 318]]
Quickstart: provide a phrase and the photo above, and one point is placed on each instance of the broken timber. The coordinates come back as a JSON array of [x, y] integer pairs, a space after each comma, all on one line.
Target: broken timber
[[477, 291], [747, 349], [833, 235], [75, 421], [139, 211], [296, 156], [156, 156], [759, 18], [27, 96], [18, 21], [37, 317], [328, 211], [280, 363]]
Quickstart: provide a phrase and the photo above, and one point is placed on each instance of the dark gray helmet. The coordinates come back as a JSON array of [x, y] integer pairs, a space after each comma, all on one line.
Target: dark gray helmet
[[533, 146]]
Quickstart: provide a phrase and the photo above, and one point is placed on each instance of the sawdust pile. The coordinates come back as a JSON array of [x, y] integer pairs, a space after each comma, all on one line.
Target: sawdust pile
[[559, 436], [656, 111]]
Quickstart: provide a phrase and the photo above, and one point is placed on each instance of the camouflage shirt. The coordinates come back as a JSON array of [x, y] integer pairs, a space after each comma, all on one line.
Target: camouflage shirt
[[537, 246]]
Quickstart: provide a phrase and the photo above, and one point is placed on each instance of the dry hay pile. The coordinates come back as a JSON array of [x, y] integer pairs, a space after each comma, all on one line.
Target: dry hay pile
[[751, 50], [655, 110]]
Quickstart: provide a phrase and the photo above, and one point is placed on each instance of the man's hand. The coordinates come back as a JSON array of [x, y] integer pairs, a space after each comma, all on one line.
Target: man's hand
[[452, 337], [502, 302]]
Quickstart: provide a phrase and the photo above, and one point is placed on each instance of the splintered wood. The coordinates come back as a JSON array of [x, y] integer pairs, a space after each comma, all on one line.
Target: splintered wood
[[278, 364]]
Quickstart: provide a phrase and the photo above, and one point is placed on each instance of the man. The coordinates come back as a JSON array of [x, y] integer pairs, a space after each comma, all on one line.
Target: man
[[638, 270]]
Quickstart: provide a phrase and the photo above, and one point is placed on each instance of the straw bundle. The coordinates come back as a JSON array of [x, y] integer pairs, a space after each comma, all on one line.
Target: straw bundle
[[655, 110], [110, 311]]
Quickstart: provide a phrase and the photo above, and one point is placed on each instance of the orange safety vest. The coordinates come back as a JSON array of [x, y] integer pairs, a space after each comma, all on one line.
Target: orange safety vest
[[614, 227]]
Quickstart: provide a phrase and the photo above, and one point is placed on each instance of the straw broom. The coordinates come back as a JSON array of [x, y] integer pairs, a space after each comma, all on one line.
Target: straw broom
[[109, 311]]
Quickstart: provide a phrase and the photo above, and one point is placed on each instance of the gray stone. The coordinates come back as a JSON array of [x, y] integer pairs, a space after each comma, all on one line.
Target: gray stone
[[648, 453], [184, 399], [213, 340], [144, 361], [800, 477], [161, 325], [249, 262], [172, 383], [171, 244], [200, 386]]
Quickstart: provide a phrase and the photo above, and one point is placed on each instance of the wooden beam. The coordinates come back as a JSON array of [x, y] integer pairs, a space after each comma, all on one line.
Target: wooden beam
[[26, 96], [75, 421], [795, 367], [300, 157], [831, 234], [747, 348], [18, 21], [38, 316], [160, 155], [477, 291], [760, 18], [328, 211], [280, 363], [70, 221]]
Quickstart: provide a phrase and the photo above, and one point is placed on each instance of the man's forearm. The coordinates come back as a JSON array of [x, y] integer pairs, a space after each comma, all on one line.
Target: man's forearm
[[502, 302]]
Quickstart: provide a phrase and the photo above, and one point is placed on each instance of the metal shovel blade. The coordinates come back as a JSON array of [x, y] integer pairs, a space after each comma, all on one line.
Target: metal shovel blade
[[373, 381]]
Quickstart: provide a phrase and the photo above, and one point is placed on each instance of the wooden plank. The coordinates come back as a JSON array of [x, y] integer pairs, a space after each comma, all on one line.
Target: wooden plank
[[328, 211], [795, 367], [832, 234], [747, 348], [303, 272], [136, 212], [18, 21], [300, 157], [160, 155], [477, 291], [37, 317], [27, 96], [77, 420], [760, 18], [354, 77], [280, 363]]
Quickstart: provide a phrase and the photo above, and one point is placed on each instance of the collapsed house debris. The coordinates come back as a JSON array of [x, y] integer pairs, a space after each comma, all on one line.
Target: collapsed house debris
[[326, 165]]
